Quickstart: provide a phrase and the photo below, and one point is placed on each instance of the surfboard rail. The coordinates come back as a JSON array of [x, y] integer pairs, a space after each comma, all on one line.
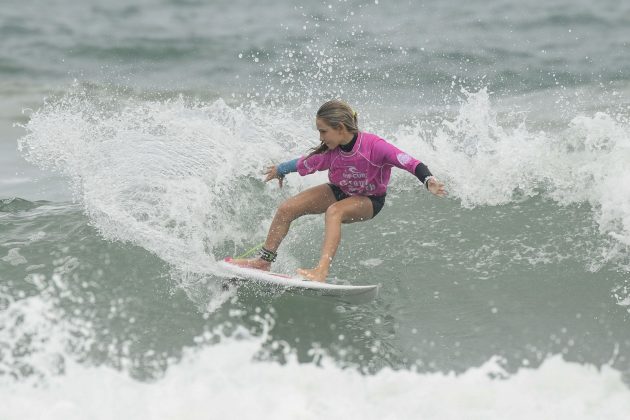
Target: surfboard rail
[[298, 284]]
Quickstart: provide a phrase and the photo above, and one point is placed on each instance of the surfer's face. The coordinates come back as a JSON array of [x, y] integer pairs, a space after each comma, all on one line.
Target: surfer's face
[[332, 136]]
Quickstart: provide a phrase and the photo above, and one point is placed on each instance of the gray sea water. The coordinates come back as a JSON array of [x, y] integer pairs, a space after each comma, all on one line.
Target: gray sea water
[[133, 137]]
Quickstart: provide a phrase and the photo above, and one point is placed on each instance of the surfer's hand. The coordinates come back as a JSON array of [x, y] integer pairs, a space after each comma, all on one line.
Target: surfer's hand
[[272, 172], [436, 187]]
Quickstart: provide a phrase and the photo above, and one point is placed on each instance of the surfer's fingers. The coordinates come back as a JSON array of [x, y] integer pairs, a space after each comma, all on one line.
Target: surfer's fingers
[[271, 173], [437, 189]]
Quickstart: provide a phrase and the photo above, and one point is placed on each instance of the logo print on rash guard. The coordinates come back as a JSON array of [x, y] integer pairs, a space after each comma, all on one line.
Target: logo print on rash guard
[[403, 158], [353, 173]]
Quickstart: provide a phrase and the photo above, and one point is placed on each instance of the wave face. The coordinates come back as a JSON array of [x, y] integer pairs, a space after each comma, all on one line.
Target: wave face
[[182, 178]]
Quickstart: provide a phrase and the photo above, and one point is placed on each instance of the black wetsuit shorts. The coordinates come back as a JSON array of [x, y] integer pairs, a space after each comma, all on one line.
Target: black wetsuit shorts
[[378, 201]]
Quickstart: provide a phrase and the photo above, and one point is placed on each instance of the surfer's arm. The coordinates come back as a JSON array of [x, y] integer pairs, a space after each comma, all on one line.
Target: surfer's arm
[[433, 185], [310, 164], [423, 173], [391, 155], [287, 167], [279, 171]]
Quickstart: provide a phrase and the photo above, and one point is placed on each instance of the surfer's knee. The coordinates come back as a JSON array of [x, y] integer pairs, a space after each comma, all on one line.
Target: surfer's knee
[[334, 213]]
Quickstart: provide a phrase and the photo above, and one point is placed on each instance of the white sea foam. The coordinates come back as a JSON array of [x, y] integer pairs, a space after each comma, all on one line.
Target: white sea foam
[[41, 379], [13, 257], [224, 382], [485, 162], [178, 179], [32, 343], [371, 262]]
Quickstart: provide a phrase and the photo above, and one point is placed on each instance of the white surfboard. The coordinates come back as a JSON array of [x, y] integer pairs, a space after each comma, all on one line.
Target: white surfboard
[[301, 286]]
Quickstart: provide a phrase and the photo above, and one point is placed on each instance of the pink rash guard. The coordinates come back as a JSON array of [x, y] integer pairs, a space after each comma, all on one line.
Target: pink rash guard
[[363, 171]]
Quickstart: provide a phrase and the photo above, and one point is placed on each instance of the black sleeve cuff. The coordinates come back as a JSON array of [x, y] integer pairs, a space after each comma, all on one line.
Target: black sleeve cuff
[[422, 172]]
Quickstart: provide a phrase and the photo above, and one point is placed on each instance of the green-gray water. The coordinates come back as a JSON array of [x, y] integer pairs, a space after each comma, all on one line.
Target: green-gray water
[[133, 141]]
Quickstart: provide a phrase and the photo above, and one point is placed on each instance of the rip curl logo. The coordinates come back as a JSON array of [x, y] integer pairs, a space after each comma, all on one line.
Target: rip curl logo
[[403, 158], [353, 173]]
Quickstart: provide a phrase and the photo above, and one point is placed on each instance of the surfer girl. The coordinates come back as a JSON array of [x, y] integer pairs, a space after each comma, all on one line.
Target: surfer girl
[[359, 165]]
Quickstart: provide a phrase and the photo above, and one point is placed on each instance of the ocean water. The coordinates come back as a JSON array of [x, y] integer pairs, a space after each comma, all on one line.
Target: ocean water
[[133, 138]]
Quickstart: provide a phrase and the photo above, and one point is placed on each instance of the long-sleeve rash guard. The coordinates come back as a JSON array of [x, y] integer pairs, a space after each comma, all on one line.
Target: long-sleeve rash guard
[[363, 170]]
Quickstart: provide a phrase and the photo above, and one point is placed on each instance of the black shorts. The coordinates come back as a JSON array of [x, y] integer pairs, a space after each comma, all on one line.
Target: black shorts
[[378, 201]]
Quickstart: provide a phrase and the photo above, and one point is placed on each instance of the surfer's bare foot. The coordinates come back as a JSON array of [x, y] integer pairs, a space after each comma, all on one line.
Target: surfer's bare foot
[[316, 274], [256, 263]]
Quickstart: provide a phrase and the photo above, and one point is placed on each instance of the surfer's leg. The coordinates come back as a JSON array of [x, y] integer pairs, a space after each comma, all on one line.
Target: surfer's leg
[[314, 200], [349, 210]]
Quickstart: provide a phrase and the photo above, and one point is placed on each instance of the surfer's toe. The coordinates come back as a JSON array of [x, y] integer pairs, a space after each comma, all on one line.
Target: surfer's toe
[[314, 274]]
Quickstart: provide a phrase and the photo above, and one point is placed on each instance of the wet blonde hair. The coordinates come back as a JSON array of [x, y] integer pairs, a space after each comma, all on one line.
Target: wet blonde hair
[[336, 113]]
